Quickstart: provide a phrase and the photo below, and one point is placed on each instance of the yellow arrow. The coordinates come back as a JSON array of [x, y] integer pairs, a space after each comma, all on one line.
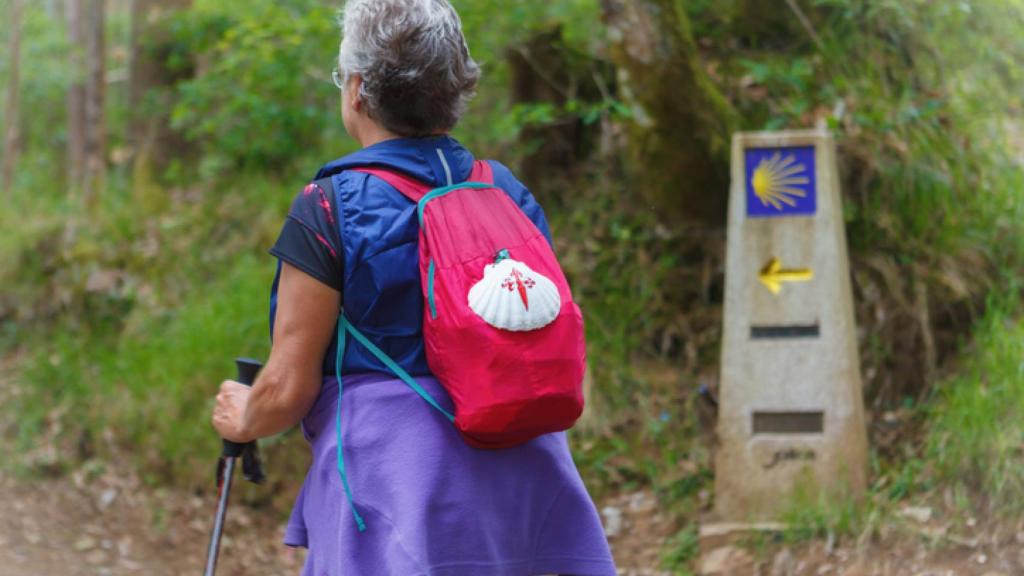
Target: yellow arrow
[[773, 275]]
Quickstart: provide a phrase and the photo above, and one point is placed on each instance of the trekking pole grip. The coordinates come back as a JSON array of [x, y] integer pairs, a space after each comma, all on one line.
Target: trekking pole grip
[[247, 371]]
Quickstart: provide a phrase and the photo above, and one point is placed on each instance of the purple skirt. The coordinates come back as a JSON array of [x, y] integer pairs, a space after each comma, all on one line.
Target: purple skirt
[[433, 506]]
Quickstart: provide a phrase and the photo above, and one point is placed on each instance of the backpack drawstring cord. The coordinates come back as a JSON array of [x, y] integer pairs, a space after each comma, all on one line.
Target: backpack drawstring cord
[[337, 424], [345, 327]]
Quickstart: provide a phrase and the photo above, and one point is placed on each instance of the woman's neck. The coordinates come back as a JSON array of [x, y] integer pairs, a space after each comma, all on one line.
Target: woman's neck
[[374, 134]]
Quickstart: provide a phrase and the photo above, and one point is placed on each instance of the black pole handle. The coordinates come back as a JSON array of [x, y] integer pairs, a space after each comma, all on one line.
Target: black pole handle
[[248, 369]]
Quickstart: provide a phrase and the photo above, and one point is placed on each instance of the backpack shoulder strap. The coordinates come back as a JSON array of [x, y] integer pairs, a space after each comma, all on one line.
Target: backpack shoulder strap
[[482, 172], [410, 187], [415, 190]]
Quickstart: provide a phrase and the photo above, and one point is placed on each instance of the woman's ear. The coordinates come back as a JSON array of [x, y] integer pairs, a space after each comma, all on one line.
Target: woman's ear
[[352, 92]]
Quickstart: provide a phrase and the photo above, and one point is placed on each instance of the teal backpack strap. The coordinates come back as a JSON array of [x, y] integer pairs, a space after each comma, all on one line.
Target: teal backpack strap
[[395, 368], [344, 328], [342, 323], [431, 269]]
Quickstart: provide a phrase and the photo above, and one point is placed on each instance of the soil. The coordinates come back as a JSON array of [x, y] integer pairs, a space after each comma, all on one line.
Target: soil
[[111, 525], [915, 541], [108, 523], [101, 520]]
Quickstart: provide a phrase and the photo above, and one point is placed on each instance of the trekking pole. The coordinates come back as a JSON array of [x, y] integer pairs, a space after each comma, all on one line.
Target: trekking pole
[[247, 371]]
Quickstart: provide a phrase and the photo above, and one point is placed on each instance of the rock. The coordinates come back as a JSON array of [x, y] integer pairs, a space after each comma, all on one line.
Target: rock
[[855, 570], [612, 521], [962, 541], [783, 564], [919, 514], [124, 546], [107, 498], [84, 543], [641, 503], [132, 565], [724, 561]]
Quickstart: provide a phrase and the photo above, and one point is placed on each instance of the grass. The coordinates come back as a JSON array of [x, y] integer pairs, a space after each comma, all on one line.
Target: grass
[[975, 437], [148, 390], [811, 516], [128, 315], [681, 551]]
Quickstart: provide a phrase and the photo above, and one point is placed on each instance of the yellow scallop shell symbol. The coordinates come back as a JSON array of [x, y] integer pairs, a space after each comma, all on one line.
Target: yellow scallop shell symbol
[[776, 178]]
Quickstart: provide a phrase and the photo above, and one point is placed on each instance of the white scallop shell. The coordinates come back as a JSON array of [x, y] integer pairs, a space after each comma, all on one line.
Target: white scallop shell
[[513, 297]]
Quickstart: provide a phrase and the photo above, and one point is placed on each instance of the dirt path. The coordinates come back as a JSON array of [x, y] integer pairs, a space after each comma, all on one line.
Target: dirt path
[[100, 520], [107, 524], [103, 523]]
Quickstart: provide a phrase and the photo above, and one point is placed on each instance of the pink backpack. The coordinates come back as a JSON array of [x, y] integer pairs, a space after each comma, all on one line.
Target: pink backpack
[[502, 332]]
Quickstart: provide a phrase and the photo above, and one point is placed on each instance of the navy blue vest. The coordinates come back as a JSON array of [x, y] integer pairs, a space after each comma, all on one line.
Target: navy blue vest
[[380, 235]]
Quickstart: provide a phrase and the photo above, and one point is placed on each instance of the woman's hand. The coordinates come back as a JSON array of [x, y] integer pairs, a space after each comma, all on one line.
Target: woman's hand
[[229, 412]]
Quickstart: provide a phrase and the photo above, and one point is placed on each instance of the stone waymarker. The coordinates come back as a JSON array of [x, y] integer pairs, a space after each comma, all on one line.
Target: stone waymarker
[[791, 411]]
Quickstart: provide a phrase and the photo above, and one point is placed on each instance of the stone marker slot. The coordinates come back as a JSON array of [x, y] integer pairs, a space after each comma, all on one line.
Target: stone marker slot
[[789, 422], [776, 332]]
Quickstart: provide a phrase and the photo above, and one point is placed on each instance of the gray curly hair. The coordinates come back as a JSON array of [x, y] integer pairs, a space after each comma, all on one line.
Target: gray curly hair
[[413, 59]]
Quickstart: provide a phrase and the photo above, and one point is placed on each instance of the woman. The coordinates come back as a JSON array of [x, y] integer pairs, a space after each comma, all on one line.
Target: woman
[[431, 504]]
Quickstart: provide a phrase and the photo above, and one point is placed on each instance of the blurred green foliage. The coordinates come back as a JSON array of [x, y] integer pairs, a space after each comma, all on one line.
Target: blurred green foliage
[[43, 86], [150, 382], [262, 89]]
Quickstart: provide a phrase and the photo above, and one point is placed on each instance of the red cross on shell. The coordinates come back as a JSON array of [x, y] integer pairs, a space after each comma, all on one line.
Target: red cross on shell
[[516, 281]]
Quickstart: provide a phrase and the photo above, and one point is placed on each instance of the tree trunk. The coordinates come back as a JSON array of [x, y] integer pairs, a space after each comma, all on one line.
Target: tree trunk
[[95, 101], [150, 81], [76, 95], [53, 9], [11, 140], [679, 133]]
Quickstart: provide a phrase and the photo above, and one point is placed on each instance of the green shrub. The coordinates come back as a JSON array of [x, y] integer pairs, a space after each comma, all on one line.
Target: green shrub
[[148, 389], [262, 94], [975, 434]]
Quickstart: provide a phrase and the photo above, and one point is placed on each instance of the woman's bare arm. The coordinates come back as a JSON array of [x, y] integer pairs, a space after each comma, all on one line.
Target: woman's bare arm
[[307, 311]]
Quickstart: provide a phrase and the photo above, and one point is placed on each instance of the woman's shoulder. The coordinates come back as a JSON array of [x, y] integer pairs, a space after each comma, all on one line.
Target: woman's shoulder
[[503, 176]]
